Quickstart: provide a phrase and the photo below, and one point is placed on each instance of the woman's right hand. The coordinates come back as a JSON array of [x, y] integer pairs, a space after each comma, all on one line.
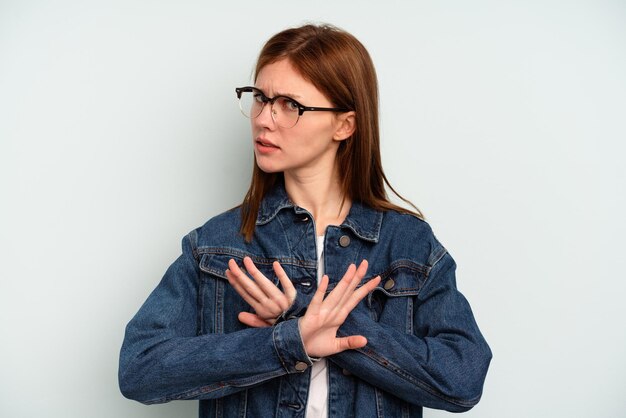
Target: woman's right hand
[[324, 316], [267, 300]]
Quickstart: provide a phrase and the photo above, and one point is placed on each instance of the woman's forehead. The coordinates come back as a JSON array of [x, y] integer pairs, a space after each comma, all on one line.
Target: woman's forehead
[[280, 78]]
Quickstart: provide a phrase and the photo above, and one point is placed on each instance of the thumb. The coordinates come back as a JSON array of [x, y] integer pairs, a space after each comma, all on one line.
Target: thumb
[[252, 320], [350, 343]]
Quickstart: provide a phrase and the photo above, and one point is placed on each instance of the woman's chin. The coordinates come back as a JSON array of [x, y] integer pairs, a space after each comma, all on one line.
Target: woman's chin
[[268, 168]]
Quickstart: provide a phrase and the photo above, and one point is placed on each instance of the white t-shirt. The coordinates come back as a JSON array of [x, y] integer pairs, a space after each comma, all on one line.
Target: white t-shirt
[[317, 405]]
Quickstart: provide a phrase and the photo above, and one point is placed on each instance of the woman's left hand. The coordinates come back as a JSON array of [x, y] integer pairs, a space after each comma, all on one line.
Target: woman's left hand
[[267, 300]]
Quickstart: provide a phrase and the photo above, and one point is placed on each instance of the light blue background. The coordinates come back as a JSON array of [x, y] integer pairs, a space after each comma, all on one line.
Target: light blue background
[[503, 121]]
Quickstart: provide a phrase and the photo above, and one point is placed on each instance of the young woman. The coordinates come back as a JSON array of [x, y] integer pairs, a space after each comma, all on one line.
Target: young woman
[[317, 296]]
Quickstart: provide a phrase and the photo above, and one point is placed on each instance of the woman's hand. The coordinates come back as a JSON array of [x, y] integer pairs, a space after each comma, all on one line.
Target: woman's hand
[[318, 326], [265, 298]]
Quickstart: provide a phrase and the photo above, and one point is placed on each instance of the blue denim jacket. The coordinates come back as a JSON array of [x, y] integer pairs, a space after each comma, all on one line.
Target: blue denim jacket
[[424, 347]]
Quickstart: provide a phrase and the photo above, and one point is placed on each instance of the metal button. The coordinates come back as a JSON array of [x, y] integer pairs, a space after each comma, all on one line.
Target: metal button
[[301, 366], [346, 372], [302, 218], [389, 284], [344, 241]]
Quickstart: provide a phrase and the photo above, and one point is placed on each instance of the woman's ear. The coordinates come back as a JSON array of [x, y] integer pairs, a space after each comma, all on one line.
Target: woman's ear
[[346, 125]]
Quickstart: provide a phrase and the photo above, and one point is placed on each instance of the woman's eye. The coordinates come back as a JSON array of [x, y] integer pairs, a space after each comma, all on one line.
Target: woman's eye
[[289, 105], [259, 98]]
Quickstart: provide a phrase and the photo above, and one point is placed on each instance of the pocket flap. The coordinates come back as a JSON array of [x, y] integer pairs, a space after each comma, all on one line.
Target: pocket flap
[[402, 279], [217, 263]]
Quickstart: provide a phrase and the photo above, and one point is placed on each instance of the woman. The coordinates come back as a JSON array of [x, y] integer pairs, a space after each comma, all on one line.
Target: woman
[[317, 296]]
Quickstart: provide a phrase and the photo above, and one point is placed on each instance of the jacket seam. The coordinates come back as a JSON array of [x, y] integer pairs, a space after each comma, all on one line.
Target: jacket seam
[[417, 382], [202, 390], [278, 351], [193, 241], [435, 257], [257, 260]]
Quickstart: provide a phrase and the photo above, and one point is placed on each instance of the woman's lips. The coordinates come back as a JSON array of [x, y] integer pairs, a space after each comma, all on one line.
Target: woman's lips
[[264, 146]]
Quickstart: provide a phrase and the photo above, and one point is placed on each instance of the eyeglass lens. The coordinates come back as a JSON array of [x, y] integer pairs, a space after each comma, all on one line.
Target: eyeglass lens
[[284, 111]]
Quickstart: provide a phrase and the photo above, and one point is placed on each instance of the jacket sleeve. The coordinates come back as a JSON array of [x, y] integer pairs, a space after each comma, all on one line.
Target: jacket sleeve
[[441, 365], [162, 357]]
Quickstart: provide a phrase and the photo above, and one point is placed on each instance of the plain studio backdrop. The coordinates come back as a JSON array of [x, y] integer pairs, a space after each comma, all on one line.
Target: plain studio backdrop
[[503, 121]]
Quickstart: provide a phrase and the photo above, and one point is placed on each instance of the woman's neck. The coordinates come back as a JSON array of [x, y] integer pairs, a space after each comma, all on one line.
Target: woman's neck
[[320, 193]]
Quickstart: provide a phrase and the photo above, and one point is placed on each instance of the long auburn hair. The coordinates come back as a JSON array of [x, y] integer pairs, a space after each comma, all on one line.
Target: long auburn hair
[[340, 67]]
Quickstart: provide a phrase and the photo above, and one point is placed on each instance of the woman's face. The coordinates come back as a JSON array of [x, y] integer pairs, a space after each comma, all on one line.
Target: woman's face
[[308, 146]]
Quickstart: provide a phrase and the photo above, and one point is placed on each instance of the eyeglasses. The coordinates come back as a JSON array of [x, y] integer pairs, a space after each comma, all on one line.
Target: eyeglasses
[[285, 111]]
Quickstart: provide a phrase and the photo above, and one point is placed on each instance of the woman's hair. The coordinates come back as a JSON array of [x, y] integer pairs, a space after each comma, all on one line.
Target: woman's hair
[[340, 67]]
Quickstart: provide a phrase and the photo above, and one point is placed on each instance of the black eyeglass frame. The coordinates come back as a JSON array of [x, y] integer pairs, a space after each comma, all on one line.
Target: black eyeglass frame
[[301, 107]]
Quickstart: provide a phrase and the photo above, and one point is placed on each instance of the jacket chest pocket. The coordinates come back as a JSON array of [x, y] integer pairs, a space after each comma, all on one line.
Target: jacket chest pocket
[[393, 301], [218, 302]]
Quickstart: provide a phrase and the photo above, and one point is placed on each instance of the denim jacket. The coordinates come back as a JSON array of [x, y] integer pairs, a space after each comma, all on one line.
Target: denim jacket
[[424, 347]]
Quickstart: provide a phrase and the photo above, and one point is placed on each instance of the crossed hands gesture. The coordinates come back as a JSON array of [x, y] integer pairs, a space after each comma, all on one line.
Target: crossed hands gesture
[[324, 316]]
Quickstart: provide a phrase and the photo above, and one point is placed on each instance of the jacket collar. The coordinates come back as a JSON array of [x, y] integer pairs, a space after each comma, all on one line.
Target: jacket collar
[[364, 221]]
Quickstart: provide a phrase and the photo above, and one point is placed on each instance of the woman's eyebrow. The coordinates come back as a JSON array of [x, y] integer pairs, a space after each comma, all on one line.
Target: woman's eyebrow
[[291, 95]]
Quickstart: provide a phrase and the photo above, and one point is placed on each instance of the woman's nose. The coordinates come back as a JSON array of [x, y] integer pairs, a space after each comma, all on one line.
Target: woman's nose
[[266, 118]]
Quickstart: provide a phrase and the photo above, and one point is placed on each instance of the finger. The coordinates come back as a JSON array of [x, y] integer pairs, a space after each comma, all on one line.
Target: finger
[[318, 297], [354, 282], [259, 308], [350, 343], [362, 268], [267, 286], [358, 295], [249, 285], [288, 288], [340, 289], [252, 320], [234, 282]]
